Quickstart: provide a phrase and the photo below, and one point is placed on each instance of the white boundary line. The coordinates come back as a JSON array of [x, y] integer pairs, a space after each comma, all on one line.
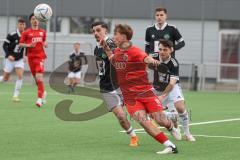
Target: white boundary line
[[199, 135], [200, 123]]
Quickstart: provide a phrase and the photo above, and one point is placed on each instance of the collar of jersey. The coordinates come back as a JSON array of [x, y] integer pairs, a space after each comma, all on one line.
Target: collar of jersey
[[162, 28], [165, 61]]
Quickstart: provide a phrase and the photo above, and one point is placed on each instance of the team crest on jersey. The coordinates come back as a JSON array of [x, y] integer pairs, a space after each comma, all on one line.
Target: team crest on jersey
[[41, 33], [104, 55], [166, 36], [153, 36]]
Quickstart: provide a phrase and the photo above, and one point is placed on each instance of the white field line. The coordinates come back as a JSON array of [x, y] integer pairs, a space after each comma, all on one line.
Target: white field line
[[200, 123], [199, 135]]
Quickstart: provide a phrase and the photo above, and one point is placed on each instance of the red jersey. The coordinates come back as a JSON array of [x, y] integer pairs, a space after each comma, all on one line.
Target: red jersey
[[34, 36], [131, 73]]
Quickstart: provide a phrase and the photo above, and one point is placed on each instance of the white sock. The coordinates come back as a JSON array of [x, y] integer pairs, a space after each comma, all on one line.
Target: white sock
[[131, 132], [169, 143], [18, 86], [1, 78], [184, 121]]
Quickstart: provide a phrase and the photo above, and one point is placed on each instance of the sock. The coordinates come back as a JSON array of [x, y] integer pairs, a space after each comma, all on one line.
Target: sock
[[161, 138], [40, 88], [18, 86], [1, 78], [184, 121], [131, 132]]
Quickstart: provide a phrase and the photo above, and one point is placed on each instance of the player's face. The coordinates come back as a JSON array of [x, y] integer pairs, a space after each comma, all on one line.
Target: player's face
[[99, 32], [34, 21], [164, 52], [76, 47], [160, 17], [119, 38], [21, 26]]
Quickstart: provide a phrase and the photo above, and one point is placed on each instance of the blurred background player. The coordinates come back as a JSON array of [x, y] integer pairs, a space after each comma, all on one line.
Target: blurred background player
[[166, 83], [131, 63], [162, 30], [34, 39], [14, 58], [75, 67], [109, 90]]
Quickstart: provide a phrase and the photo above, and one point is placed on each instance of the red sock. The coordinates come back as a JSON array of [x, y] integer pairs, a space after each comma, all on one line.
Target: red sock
[[40, 89], [161, 137]]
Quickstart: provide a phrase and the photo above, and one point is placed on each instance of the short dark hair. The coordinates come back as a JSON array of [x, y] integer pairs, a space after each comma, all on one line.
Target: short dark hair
[[103, 24], [166, 43], [124, 29], [159, 9], [21, 20], [30, 16]]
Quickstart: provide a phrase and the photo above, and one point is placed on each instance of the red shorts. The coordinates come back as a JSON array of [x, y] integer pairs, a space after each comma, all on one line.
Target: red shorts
[[149, 104], [36, 66]]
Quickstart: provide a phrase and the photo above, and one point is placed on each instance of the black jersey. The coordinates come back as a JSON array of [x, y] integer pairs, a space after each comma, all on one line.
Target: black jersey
[[75, 62], [162, 78], [11, 46], [106, 71], [154, 34]]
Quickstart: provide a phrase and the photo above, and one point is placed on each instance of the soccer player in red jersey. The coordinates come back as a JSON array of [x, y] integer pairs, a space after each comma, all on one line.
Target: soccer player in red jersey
[[34, 39], [130, 63]]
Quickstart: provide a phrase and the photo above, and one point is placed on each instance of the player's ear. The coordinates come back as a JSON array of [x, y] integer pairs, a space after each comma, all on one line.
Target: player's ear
[[172, 49]]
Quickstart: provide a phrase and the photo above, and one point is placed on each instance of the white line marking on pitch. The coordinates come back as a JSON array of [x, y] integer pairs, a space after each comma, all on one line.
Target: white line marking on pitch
[[199, 135], [200, 123]]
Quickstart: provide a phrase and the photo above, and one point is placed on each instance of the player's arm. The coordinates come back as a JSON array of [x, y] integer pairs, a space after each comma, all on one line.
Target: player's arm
[[45, 44], [107, 50], [22, 42], [6, 45], [151, 61], [168, 89], [147, 41], [180, 41]]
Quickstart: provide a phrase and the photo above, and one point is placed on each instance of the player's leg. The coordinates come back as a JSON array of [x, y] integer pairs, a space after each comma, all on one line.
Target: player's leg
[[115, 104], [39, 68], [141, 117], [71, 81], [76, 80], [8, 67], [19, 69], [155, 109], [179, 104]]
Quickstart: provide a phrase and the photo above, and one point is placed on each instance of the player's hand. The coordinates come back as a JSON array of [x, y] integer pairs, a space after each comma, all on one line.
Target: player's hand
[[11, 58], [104, 45], [45, 44], [32, 45], [161, 98], [155, 62]]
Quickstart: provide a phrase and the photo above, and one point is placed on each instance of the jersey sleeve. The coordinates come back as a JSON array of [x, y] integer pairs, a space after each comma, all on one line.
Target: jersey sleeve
[[6, 44], [174, 72], [177, 35], [23, 37], [147, 41]]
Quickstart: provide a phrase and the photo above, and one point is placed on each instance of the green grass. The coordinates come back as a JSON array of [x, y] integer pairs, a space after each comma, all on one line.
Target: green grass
[[27, 132]]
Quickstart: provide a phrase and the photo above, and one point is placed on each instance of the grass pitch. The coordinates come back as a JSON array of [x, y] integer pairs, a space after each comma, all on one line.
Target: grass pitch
[[28, 132]]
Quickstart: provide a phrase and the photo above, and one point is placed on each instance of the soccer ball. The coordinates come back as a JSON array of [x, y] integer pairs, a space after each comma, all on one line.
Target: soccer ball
[[43, 12]]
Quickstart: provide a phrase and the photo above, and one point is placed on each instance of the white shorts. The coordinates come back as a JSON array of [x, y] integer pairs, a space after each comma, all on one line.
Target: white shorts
[[10, 65], [174, 96], [75, 75], [113, 99]]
